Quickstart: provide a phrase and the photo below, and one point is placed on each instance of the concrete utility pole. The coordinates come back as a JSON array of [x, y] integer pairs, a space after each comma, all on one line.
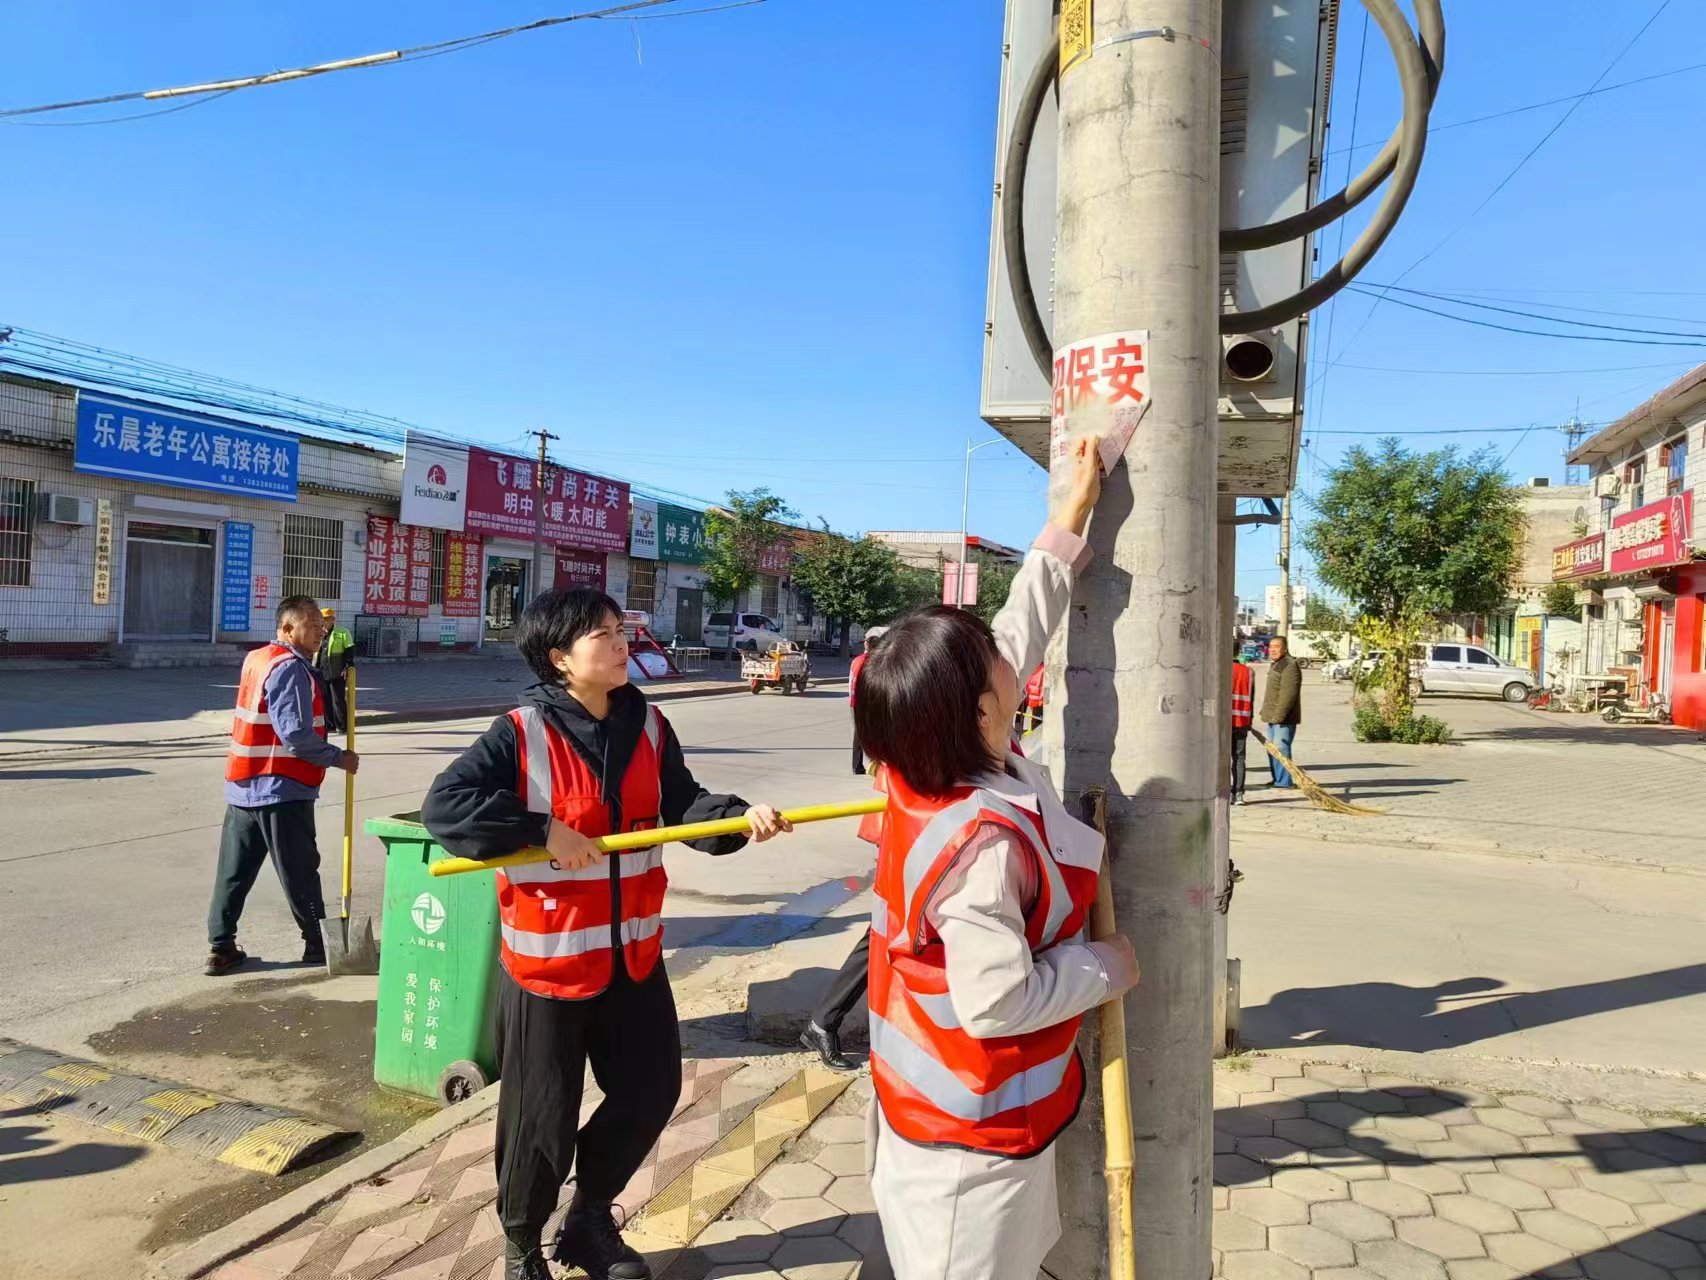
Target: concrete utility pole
[[1139, 216], [543, 581], [1284, 627]]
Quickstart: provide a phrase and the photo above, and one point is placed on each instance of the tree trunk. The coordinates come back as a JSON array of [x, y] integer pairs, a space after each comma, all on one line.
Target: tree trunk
[[846, 637]]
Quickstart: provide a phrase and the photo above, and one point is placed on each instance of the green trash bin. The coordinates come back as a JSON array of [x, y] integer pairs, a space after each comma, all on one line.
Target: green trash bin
[[438, 969]]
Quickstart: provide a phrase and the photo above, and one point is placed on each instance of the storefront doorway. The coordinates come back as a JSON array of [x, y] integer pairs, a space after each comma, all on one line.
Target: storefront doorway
[[689, 615], [1667, 648], [168, 582], [506, 595]]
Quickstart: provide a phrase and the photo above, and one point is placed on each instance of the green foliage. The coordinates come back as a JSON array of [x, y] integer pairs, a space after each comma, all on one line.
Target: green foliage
[[1324, 615], [858, 580], [1373, 725], [1407, 536], [994, 583], [736, 540], [1560, 601]]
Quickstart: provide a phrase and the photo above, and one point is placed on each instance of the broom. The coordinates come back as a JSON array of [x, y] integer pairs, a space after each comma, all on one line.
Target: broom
[[1318, 795]]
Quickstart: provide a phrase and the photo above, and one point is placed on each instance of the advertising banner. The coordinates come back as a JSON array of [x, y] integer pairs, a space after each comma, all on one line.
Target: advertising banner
[[141, 441], [1652, 537], [435, 483], [588, 512], [462, 576], [235, 575], [643, 533], [580, 568], [399, 569]]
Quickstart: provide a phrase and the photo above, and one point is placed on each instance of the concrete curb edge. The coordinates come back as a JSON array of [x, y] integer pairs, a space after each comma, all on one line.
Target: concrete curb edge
[[269, 1220]]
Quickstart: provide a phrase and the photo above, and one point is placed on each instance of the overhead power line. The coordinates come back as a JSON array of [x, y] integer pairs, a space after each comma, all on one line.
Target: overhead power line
[[1533, 333], [632, 9], [1533, 315], [1513, 373]]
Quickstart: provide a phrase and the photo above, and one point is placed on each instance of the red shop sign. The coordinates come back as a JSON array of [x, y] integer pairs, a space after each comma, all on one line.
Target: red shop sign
[[1652, 537], [462, 576], [398, 576], [580, 568], [583, 511], [1579, 559]]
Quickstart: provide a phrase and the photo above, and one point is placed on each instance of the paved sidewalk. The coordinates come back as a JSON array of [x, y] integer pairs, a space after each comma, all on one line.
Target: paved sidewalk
[[1513, 781], [60, 709]]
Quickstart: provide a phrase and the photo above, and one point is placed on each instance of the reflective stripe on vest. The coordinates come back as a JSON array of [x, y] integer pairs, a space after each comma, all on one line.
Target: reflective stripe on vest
[[556, 926], [938, 1084], [255, 750], [1243, 695]]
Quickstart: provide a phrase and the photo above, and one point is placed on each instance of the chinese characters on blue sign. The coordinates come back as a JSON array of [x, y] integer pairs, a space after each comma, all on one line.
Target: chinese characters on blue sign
[[234, 579], [141, 441]]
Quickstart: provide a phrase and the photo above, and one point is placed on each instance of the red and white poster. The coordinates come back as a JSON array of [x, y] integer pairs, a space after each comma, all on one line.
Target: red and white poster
[[776, 558], [1652, 537], [462, 581], [1104, 380], [580, 568], [398, 580], [582, 511]]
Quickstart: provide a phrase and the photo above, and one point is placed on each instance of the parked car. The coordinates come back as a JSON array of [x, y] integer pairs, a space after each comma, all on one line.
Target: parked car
[[751, 631], [1251, 653], [1467, 668], [1355, 668]]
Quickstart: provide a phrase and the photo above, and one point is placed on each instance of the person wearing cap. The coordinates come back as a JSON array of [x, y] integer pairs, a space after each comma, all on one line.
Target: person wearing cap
[[335, 656], [871, 638]]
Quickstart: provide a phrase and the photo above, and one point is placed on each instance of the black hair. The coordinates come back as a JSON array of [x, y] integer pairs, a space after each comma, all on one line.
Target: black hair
[[917, 711], [555, 620], [295, 608]]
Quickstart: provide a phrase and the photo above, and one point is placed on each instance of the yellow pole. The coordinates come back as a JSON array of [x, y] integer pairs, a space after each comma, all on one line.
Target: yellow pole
[[349, 789], [665, 835], [1116, 1100]]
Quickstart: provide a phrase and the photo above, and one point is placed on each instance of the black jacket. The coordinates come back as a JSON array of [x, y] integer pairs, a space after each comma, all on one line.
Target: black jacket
[[474, 810], [1282, 696]]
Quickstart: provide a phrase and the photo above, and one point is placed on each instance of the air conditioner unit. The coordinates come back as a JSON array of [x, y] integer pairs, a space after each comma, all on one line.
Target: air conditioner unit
[[1608, 485], [1590, 598], [65, 508]]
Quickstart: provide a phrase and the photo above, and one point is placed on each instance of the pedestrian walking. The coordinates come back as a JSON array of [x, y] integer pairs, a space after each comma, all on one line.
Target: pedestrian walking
[[979, 975], [582, 935], [871, 638], [1243, 712], [335, 657], [1282, 706], [277, 759]]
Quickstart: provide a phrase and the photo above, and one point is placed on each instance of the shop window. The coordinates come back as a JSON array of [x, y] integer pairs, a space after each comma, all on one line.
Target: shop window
[[435, 586], [1676, 466], [17, 531], [642, 584], [314, 557]]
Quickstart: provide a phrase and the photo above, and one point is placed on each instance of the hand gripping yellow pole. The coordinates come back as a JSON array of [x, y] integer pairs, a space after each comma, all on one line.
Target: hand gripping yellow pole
[[666, 835], [1117, 1164], [349, 790]]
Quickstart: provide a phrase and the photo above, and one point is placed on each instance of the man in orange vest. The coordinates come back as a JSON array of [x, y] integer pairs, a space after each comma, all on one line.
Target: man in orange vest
[[581, 936], [1243, 712], [277, 758]]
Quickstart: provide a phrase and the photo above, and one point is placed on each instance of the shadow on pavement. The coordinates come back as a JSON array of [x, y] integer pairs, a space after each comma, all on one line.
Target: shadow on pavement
[[28, 1153], [1391, 1015]]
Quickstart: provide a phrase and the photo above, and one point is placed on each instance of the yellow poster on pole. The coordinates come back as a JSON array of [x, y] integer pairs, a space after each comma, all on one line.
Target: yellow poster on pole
[[1075, 24]]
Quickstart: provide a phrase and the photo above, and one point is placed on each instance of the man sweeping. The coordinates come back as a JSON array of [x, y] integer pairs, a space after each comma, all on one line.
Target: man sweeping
[[1282, 705]]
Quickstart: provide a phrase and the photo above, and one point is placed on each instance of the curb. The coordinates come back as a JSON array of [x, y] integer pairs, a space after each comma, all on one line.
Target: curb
[[257, 1226]]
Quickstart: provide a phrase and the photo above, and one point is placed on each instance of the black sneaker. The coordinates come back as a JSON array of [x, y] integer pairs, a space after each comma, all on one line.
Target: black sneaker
[[222, 960], [827, 1045], [589, 1239], [524, 1263], [314, 953]]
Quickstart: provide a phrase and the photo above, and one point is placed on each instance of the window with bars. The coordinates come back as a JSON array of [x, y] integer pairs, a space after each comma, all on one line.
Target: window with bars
[[435, 590], [642, 584], [17, 530], [314, 557]]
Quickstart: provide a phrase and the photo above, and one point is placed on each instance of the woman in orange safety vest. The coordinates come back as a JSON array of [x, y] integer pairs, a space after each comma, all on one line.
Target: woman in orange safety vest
[[980, 973], [582, 935]]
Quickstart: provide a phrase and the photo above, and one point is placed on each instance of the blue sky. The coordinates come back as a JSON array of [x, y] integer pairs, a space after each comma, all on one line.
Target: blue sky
[[750, 247]]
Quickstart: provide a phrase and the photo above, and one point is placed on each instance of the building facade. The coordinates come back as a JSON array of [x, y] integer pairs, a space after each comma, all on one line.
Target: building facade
[[1638, 570]]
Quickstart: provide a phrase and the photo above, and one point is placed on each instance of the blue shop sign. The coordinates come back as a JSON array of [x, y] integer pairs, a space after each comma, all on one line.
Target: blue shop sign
[[141, 441], [237, 576]]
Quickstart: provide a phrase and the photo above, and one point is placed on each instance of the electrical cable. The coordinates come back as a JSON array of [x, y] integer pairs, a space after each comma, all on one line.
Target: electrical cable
[[1533, 333], [1466, 297], [1419, 69], [1535, 315], [626, 11]]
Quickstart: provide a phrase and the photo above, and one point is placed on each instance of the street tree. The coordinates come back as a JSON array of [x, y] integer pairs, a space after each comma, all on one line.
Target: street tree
[[1409, 537], [1559, 601], [737, 538], [856, 580]]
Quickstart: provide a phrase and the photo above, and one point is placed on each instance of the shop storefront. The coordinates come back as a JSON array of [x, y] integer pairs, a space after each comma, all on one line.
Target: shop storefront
[[1649, 553]]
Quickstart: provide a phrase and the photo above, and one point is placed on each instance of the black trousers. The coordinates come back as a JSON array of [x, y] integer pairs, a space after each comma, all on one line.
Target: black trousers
[[283, 832], [629, 1035], [847, 988], [1240, 740], [858, 755]]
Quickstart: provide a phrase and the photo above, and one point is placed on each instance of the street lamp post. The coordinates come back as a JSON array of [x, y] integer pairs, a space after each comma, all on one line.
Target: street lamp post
[[965, 508]]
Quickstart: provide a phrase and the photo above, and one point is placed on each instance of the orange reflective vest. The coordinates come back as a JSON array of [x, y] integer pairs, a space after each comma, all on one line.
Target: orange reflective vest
[[1034, 687], [937, 1084], [256, 750], [1243, 696], [559, 928]]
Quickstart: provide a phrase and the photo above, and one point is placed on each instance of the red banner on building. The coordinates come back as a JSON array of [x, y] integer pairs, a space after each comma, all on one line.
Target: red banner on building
[[462, 576], [587, 512], [399, 569], [1652, 537], [1579, 559], [777, 558], [581, 568]]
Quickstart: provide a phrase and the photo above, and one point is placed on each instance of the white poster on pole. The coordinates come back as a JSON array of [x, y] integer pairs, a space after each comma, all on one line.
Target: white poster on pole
[[1104, 382], [643, 532], [435, 483]]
